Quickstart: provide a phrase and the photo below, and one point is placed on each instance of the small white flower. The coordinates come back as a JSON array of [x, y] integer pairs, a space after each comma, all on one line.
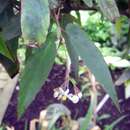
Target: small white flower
[[56, 94], [80, 95], [75, 99], [67, 91], [59, 93]]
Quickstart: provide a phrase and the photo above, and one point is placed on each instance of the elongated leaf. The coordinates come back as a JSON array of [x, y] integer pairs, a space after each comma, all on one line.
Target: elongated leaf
[[12, 28], [13, 46], [88, 2], [114, 123], [4, 50], [74, 58], [12, 67], [88, 118], [92, 58], [54, 112], [3, 4], [67, 18], [35, 20], [35, 73], [109, 9]]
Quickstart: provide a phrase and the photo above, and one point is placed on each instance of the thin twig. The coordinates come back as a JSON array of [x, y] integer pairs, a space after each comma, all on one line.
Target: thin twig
[[94, 90], [101, 104]]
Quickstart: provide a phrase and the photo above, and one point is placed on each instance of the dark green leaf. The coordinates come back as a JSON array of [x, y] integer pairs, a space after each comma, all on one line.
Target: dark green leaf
[[3, 4], [54, 112], [12, 67], [4, 50], [13, 46], [114, 123], [67, 18], [74, 58], [35, 73], [6, 15], [12, 29], [88, 118], [35, 20], [92, 58]]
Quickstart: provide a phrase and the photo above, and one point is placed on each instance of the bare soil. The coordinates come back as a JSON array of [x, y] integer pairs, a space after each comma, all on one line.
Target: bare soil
[[45, 97]]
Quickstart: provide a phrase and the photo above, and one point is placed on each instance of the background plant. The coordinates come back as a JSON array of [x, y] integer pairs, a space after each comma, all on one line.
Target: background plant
[[43, 26]]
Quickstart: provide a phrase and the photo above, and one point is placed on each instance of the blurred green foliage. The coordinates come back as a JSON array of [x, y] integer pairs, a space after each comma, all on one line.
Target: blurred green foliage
[[98, 28]]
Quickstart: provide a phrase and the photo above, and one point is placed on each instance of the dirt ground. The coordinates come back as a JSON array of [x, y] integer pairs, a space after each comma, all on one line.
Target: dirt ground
[[45, 97]]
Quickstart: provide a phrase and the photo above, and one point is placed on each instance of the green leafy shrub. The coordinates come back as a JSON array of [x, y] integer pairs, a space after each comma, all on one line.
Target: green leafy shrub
[[33, 22]]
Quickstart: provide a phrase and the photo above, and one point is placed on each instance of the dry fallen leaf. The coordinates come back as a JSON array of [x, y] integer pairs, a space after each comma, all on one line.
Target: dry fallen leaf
[[7, 86], [33, 124], [10, 128]]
